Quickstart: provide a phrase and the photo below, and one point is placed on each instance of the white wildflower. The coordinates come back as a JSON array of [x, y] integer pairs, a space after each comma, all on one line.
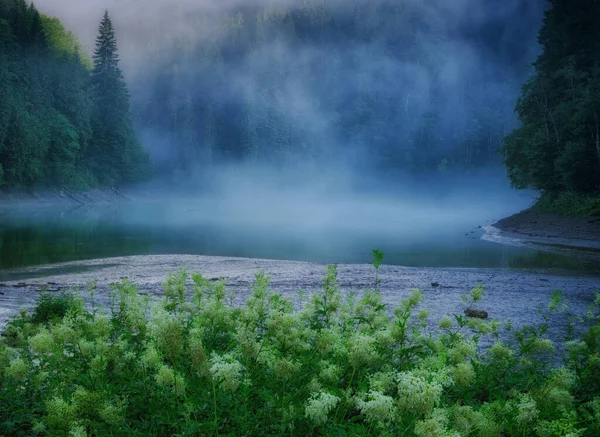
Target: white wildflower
[[416, 394], [361, 350], [41, 343], [151, 358], [543, 345], [165, 376], [17, 369], [462, 351], [227, 371], [378, 408], [527, 411], [319, 406], [435, 426], [329, 372], [101, 325], [500, 352], [382, 381], [60, 413], [464, 375]]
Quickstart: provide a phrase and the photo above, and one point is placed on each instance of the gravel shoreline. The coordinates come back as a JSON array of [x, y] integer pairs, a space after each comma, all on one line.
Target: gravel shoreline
[[575, 237], [510, 294]]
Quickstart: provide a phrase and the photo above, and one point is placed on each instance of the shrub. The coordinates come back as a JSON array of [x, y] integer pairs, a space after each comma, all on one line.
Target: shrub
[[335, 366]]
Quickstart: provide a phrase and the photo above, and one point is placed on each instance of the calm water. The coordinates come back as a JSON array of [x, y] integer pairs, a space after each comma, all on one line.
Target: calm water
[[346, 235]]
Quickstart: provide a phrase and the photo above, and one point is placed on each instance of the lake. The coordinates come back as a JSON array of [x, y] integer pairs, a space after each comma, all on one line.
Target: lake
[[410, 233]]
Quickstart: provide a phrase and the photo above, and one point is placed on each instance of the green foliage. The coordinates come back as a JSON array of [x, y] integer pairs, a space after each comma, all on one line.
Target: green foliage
[[377, 260], [47, 107], [49, 308], [63, 42], [557, 148], [335, 365], [569, 204], [114, 155], [475, 295]]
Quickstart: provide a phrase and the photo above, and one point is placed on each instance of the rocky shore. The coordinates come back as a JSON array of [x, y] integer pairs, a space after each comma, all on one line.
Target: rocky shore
[[510, 295], [579, 237]]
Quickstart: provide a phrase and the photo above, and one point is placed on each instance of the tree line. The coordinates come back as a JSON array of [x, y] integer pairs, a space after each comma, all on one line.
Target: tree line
[[557, 147], [294, 85], [64, 118], [384, 82]]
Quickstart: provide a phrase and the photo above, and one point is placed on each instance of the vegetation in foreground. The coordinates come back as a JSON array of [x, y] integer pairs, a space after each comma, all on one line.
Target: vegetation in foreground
[[336, 366]]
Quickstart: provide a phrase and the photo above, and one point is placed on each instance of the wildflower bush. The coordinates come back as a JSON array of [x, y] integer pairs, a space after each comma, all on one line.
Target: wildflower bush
[[330, 365]]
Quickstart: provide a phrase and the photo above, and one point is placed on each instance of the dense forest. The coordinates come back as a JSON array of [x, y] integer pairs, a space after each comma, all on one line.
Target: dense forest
[[64, 119], [386, 85], [378, 85], [557, 148]]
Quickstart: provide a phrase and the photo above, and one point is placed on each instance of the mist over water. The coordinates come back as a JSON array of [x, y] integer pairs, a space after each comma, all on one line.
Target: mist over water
[[299, 169], [333, 221]]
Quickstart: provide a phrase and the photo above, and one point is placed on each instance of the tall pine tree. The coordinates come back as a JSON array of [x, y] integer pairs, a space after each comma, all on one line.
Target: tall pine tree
[[115, 155]]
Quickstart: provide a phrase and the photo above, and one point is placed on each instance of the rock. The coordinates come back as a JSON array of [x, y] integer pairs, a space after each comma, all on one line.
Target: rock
[[478, 314]]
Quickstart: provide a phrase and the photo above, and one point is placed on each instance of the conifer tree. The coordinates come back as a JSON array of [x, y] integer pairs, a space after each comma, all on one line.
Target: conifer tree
[[115, 155]]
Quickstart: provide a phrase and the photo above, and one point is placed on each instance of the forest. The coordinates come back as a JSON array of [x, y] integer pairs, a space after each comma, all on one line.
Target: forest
[[384, 86], [379, 86], [64, 118]]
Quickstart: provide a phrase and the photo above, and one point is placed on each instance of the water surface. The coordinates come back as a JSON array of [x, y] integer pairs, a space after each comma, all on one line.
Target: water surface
[[327, 233]]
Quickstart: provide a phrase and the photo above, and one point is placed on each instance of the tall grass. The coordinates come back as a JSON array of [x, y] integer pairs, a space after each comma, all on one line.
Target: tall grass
[[338, 366]]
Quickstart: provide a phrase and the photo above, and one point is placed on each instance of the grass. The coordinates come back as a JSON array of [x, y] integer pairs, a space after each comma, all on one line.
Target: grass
[[569, 204], [328, 365]]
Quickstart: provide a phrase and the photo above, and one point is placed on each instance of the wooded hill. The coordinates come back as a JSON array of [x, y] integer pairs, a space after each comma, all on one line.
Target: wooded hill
[[64, 119]]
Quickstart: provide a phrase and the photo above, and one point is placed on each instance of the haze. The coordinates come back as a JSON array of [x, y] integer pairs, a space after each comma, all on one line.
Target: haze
[[395, 172]]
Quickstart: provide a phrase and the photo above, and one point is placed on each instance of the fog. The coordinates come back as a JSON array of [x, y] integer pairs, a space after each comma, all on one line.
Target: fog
[[424, 83], [254, 214], [293, 151]]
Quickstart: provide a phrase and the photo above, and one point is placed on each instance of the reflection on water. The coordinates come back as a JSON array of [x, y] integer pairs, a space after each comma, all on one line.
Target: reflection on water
[[40, 236]]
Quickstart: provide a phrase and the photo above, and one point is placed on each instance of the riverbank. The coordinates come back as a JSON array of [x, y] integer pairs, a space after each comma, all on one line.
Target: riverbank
[[578, 237], [63, 197], [510, 295]]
